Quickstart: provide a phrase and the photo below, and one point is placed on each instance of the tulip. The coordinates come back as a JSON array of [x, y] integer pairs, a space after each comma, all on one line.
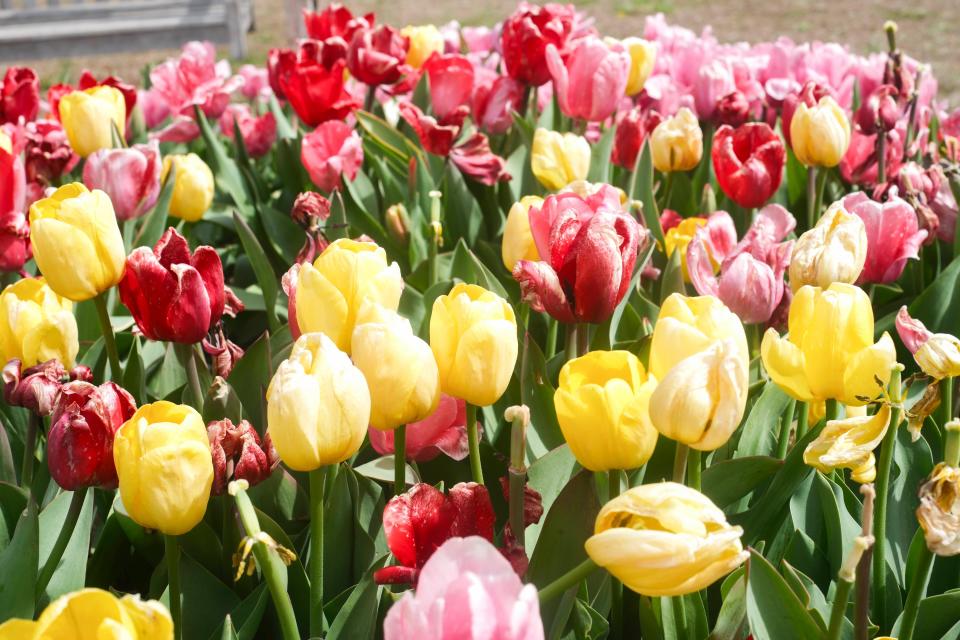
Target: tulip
[[424, 41], [89, 81], [47, 153], [665, 539], [436, 137], [749, 163], [937, 354], [879, 113], [733, 109], [164, 465], [633, 128], [331, 291], [331, 152], [82, 428], [36, 324], [859, 164], [718, 233], [849, 444], [893, 236], [256, 83], [35, 388], [590, 79], [467, 590], [820, 134], [835, 250], [602, 405], [443, 431], [830, 352], [194, 186], [451, 86], [398, 366], [19, 95], [377, 55], [90, 116], [714, 80], [494, 100], [517, 243], [677, 143], [312, 80], [171, 294], [475, 159], [258, 132], [239, 454], [131, 177], [76, 242], [195, 79], [939, 510], [810, 94], [643, 55], [318, 405], [525, 37], [689, 325], [14, 229], [417, 522], [473, 334], [559, 159], [334, 21]]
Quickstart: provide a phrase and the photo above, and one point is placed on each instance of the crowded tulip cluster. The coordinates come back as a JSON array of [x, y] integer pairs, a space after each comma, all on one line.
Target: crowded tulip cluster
[[468, 332]]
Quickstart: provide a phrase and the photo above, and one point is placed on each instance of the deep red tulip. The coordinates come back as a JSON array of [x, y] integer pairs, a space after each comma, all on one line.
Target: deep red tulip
[[80, 442], [331, 153], [258, 132], [588, 247], [495, 98], [35, 388], [239, 454], [47, 153], [732, 109], [526, 34], [309, 209], [879, 112], [443, 431], [859, 163], [632, 129], [312, 81], [224, 352], [19, 95], [88, 81], [378, 55], [810, 95], [335, 21], [14, 228], [417, 522], [435, 137], [474, 158], [893, 236], [749, 162], [451, 84], [171, 294]]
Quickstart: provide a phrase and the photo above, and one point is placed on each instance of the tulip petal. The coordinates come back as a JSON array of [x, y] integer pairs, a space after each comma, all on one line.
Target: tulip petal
[[784, 361]]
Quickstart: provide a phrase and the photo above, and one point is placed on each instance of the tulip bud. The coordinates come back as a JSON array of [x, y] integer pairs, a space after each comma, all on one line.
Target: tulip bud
[[377, 55], [677, 143], [557, 159], [633, 128], [937, 354], [398, 366], [525, 37], [665, 539], [748, 162], [36, 324], [602, 405], [82, 428], [425, 40], [309, 209], [95, 613], [879, 112], [643, 55], [35, 388], [318, 405], [19, 95], [131, 177], [473, 334], [398, 223], [517, 243], [193, 187], [239, 454], [939, 510], [76, 242], [849, 444], [163, 461], [90, 116], [820, 134], [834, 250]]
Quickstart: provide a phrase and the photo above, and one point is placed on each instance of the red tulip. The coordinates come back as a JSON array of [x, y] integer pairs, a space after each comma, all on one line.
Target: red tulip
[[377, 55], [588, 248], [417, 522], [130, 176], [451, 84], [336, 21], [14, 228], [258, 132], [526, 34], [590, 80], [35, 388], [633, 127], [495, 98], [239, 454], [859, 163], [80, 442], [732, 109], [435, 137], [312, 81], [443, 431], [749, 162], [880, 111], [47, 152], [474, 158], [19, 95], [893, 236], [331, 152], [171, 294]]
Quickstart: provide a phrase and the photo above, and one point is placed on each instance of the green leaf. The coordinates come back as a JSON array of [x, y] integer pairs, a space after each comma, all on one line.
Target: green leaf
[[549, 474], [134, 378], [154, 223], [206, 600], [758, 433], [773, 609], [600, 156], [357, 618], [266, 277], [225, 169], [728, 481], [243, 622], [937, 616], [284, 128], [20, 559], [8, 471], [641, 188], [250, 377], [537, 391], [71, 572], [733, 613], [169, 375], [467, 267], [672, 279]]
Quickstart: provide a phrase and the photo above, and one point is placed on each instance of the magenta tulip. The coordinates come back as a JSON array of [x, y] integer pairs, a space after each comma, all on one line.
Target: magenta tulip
[[893, 236], [330, 152], [590, 80]]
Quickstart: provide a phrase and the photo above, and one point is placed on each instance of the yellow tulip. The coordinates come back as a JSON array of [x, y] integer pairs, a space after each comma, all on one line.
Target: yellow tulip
[[17, 629], [602, 405], [518, 242], [849, 444], [36, 324], [557, 159], [425, 40], [820, 134], [318, 405], [677, 143], [331, 291], [76, 242], [701, 400], [665, 539], [643, 55], [193, 186], [688, 325], [678, 238], [939, 510], [830, 352], [834, 250], [399, 367], [473, 334], [939, 356], [88, 117], [165, 468], [817, 411], [150, 618]]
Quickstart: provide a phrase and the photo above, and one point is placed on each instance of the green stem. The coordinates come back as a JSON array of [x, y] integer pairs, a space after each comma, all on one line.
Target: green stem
[[193, 394], [583, 339], [786, 422], [518, 475], [946, 400], [693, 469], [951, 445], [109, 341], [679, 616], [318, 478], [832, 411], [881, 157], [803, 419], [436, 237], [918, 588], [616, 587], [552, 327], [473, 439], [811, 195], [172, 552], [884, 466], [571, 342], [34, 425], [838, 613], [822, 176], [400, 460], [63, 538], [680, 462], [567, 580]]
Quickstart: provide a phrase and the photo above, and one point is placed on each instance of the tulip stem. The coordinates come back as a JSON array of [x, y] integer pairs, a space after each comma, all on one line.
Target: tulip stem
[[551, 346], [567, 580], [318, 480], [193, 394], [832, 411], [616, 587], [803, 419], [400, 460], [473, 439], [109, 341], [786, 423], [583, 339], [839, 610], [946, 400], [951, 445], [34, 425], [172, 552], [693, 469], [571, 342], [518, 473], [918, 588], [811, 195], [821, 186], [881, 157], [680, 462], [63, 538]]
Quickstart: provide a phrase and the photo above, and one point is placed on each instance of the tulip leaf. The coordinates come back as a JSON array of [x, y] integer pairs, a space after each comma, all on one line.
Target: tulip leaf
[[641, 188], [244, 620], [536, 392], [266, 277], [600, 156], [168, 376], [461, 215], [773, 610], [284, 129], [913, 461], [467, 267], [357, 618], [549, 474], [362, 220], [758, 433], [13, 500], [20, 560], [134, 379], [381, 469], [672, 279], [733, 613], [206, 600], [809, 593], [8, 472], [228, 632], [250, 377], [728, 481], [227, 172], [390, 142], [71, 572], [937, 617], [695, 617]]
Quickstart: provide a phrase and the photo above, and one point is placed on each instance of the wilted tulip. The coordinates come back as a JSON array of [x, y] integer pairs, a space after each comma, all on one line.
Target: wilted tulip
[[318, 405], [665, 539], [163, 461], [557, 159], [377, 55], [893, 236], [602, 404], [717, 232], [820, 135], [879, 112], [36, 324], [939, 510], [130, 176], [749, 162], [35, 388], [89, 118], [830, 352], [424, 41], [677, 143], [47, 152], [834, 250], [312, 81], [258, 132], [331, 152], [443, 431], [590, 79], [849, 444], [517, 243], [19, 95], [194, 186], [525, 37], [937, 354], [239, 454]]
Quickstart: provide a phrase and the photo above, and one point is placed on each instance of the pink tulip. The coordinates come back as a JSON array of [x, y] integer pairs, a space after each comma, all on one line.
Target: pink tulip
[[443, 431], [451, 84], [944, 206], [714, 81], [893, 236], [256, 82], [131, 177], [14, 229], [330, 151], [258, 132], [590, 80], [495, 98], [467, 591], [195, 79], [155, 109], [859, 163]]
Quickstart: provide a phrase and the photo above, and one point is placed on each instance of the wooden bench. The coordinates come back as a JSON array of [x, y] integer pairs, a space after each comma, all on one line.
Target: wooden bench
[[32, 29]]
